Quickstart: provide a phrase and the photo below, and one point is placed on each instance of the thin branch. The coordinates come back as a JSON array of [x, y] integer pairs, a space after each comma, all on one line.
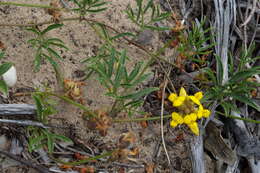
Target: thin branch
[[250, 15], [30, 123], [39, 168], [162, 131], [29, 5]]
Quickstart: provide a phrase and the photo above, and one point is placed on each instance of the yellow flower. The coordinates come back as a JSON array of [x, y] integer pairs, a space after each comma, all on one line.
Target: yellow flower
[[178, 100], [183, 92], [189, 111], [187, 119], [173, 123], [198, 95], [195, 100], [193, 116], [206, 113], [194, 128], [177, 118], [200, 112], [172, 97]]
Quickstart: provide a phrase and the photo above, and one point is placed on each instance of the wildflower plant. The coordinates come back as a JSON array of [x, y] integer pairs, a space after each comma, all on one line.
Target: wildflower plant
[[195, 43], [189, 110], [89, 6], [139, 15], [239, 86], [110, 67], [41, 137]]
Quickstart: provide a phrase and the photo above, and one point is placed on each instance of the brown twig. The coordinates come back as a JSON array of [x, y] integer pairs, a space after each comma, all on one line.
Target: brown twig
[[251, 14], [162, 131], [39, 168]]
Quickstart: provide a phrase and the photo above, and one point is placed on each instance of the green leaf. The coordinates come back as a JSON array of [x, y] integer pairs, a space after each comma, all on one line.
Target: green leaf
[[211, 75], [34, 141], [242, 75], [247, 101], [5, 67], [59, 45], [33, 41], [120, 70], [111, 63], [54, 53], [135, 71], [96, 10], [52, 62], [62, 138], [51, 27], [140, 9], [134, 103], [2, 54], [139, 94], [37, 60], [39, 107], [3, 87], [161, 17], [228, 107], [50, 141], [123, 35], [148, 5], [140, 79], [34, 30], [157, 28], [99, 4]]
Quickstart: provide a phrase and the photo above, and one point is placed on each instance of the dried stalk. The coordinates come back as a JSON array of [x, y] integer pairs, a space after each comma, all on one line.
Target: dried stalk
[[17, 109]]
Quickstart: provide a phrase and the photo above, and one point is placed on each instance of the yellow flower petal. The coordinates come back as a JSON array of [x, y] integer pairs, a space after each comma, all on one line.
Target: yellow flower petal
[[206, 113], [200, 112], [178, 101], [198, 95], [187, 119], [183, 92], [195, 100], [173, 124], [194, 128], [193, 116], [177, 117], [172, 97]]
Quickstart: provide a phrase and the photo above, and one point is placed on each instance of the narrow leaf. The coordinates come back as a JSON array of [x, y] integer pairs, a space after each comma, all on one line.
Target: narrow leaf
[[5, 67], [51, 27], [139, 94], [3, 87]]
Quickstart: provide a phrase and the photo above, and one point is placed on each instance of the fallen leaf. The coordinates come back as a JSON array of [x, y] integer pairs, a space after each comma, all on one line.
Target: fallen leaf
[[144, 124], [149, 168], [2, 46], [65, 167], [100, 122], [126, 140], [55, 13]]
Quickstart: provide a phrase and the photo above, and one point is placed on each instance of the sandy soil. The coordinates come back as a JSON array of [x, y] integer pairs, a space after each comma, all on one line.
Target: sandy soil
[[83, 42]]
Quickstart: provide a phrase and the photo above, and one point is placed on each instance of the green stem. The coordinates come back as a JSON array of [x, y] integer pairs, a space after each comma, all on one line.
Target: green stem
[[84, 108], [75, 163], [239, 118], [140, 119], [29, 5]]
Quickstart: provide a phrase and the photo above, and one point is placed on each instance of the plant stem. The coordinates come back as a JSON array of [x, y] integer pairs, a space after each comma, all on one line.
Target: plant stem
[[86, 109], [140, 119], [29, 5], [239, 118], [84, 160]]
